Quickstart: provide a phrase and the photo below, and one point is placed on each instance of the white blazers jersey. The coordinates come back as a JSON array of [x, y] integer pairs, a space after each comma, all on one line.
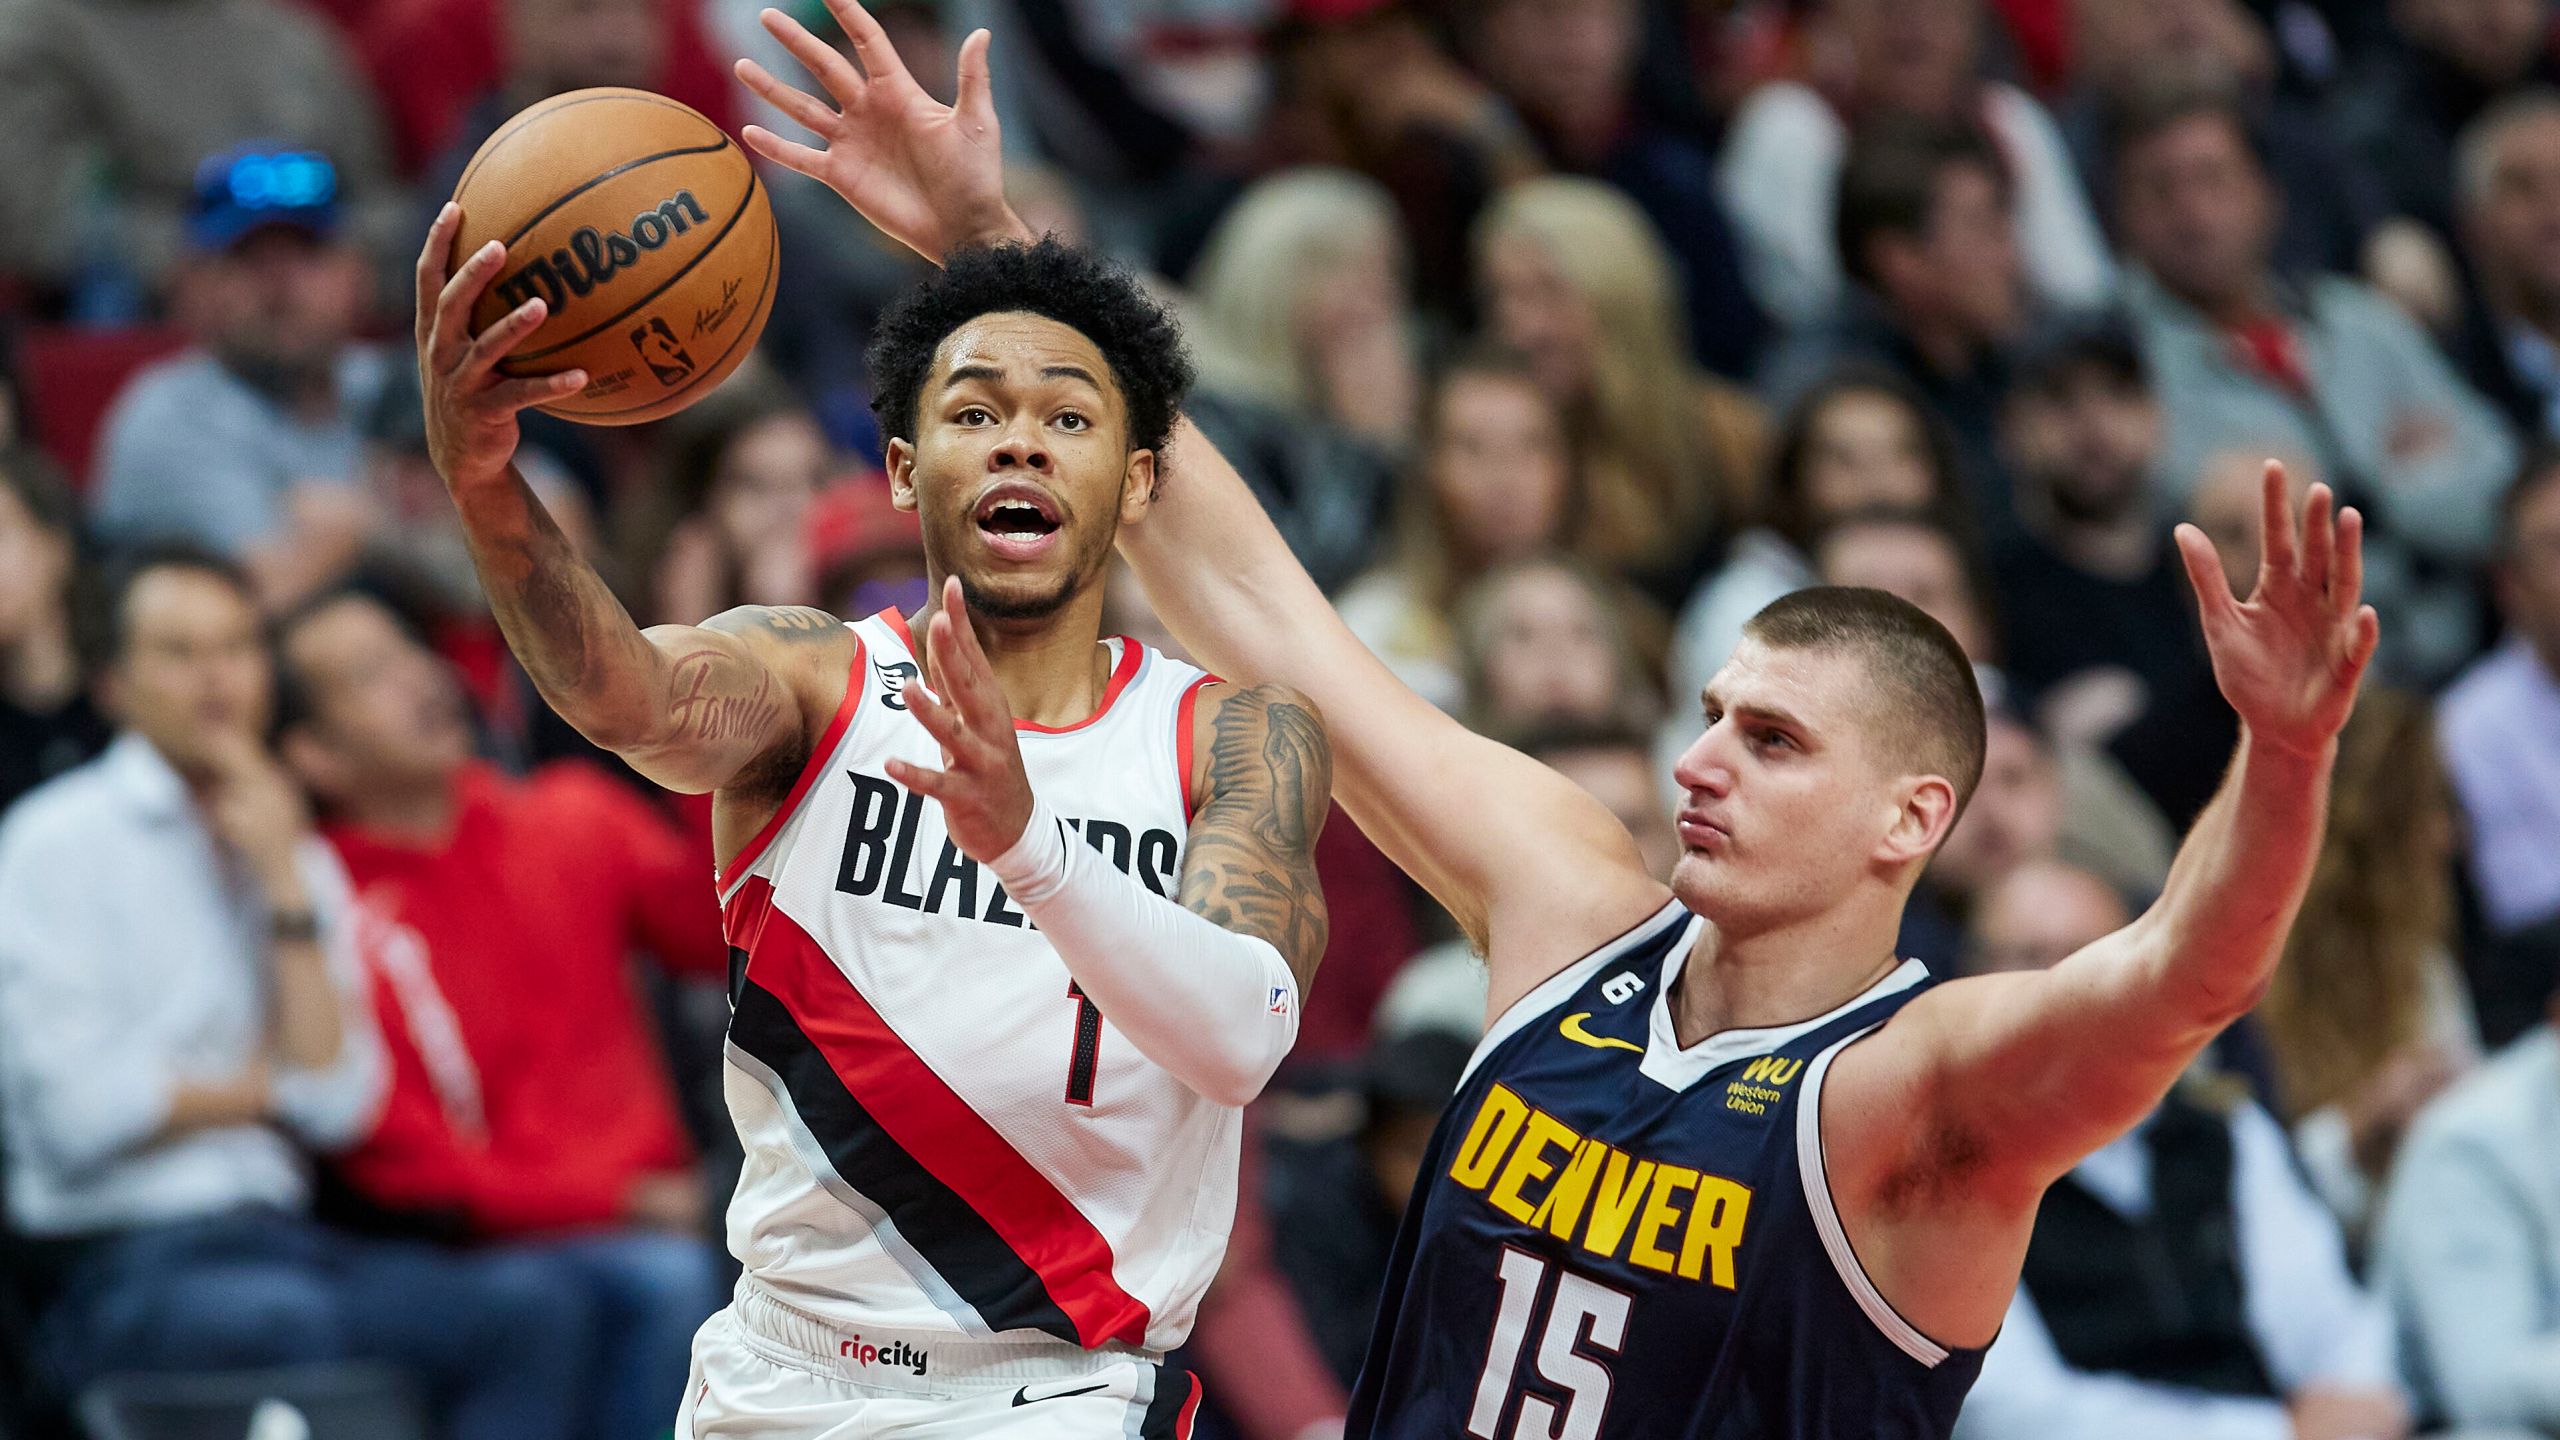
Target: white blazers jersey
[[943, 1135]]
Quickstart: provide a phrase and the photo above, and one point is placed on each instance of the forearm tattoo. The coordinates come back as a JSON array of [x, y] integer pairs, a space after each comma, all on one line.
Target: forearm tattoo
[[1250, 866]]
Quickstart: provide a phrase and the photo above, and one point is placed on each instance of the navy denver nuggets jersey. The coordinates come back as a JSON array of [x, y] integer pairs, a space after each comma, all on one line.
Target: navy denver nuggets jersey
[[1616, 1239]]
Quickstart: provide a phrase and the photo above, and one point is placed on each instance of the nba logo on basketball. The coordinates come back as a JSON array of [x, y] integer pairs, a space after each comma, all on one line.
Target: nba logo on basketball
[[657, 346]]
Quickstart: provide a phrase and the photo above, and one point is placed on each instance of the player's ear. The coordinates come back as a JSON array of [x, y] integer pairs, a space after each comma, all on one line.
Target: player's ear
[[1926, 814], [1138, 486], [901, 463]]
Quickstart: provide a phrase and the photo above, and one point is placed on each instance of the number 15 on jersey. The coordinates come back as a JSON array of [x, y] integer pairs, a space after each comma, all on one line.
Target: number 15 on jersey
[[1583, 1320]]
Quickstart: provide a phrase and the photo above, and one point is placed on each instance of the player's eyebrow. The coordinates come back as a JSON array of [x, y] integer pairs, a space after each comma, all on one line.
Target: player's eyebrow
[[1764, 714], [990, 375]]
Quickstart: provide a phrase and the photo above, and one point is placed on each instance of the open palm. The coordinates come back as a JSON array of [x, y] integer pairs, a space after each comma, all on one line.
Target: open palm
[[927, 174], [2289, 657]]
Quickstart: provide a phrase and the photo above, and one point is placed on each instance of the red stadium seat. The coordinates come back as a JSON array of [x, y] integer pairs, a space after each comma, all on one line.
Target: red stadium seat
[[72, 375]]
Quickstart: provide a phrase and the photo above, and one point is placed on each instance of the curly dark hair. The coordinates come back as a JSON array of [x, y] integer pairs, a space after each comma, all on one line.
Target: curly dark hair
[[1099, 299]]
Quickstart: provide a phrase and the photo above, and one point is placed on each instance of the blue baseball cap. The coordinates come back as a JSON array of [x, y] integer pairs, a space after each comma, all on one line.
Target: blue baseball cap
[[250, 187]]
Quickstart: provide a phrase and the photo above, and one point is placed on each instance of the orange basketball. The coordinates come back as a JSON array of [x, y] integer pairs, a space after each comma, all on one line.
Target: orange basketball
[[644, 230]]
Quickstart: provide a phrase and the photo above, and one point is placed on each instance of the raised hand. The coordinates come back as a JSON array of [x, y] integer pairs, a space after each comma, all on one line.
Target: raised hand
[[2290, 656], [985, 796], [471, 408], [929, 175]]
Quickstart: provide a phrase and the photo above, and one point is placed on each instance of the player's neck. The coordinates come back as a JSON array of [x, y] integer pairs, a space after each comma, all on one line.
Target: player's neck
[[1053, 669], [1779, 976]]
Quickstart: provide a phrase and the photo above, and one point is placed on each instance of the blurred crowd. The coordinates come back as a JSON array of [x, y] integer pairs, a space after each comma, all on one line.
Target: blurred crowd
[[354, 1010]]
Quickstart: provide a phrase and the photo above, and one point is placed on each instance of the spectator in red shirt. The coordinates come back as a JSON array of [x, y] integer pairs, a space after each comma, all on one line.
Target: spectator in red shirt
[[528, 1100]]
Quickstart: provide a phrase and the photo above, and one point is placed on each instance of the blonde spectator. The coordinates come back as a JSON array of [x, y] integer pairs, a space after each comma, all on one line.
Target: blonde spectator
[[2367, 1018], [1300, 303], [1548, 642], [1300, 313], [1572, 275], [1494, 483]]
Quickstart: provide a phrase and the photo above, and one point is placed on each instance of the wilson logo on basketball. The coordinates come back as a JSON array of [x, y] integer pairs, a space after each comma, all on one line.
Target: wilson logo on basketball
[[593, 258]]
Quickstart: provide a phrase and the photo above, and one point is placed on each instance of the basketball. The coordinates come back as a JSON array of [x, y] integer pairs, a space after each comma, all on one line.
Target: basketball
[[643, 228]]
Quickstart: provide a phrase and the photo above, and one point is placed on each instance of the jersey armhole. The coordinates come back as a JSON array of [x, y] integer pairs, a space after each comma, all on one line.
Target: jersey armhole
[[819, 754], [1553, 991], [1184, 712], [1905, 1336]]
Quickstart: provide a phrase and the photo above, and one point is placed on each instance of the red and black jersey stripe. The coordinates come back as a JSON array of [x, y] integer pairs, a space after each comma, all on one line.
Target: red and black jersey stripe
[[997, 1231]]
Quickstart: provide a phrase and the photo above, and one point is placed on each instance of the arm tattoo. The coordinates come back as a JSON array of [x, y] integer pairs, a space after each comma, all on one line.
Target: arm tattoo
[[561, 620], [1250, 866], [796, 622], [701, 712]]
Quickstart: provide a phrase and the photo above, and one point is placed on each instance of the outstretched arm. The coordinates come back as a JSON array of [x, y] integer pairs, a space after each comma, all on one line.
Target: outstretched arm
[[1985, 1091], [691, 707], [1485, 829]]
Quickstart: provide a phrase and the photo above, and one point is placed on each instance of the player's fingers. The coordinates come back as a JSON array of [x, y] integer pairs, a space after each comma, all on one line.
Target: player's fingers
[[2277, 520], [975, 672], [2346, 577], [484, 353], [806, 109], [433, 255], [963, 667], [453, 305], [823, 60], [933, 711], [514, 395], [789, 154], [870, 43], [931, 784], [2368, 636], [976, 97], [2319, 539], [2204, 572]]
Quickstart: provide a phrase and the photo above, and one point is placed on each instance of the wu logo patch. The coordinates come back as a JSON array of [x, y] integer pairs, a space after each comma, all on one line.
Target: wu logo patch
[[894, 676], [1760, 1085], [1771, 1070]]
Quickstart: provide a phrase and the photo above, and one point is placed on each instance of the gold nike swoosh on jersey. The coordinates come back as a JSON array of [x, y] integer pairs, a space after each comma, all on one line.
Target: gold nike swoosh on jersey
[[1573, 1031]]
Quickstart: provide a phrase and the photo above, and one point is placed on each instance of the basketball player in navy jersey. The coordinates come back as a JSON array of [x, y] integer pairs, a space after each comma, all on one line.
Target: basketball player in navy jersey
[[1019, 916], [1723, 1165]]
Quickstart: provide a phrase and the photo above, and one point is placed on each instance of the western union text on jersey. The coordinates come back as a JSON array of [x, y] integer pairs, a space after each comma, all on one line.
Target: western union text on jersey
[[1539, 1171]]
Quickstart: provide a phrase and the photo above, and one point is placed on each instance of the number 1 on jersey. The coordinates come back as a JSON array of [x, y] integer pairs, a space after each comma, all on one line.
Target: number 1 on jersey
[[1087, 1055], [1582, 1310]]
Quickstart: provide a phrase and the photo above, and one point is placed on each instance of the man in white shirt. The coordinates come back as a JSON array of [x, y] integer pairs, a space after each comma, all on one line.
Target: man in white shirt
[[182, 1011], [2182, 1281], [2501, 719], [2468, 1249]]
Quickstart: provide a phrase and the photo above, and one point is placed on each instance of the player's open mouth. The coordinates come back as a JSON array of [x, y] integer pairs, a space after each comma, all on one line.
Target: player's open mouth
[[1018, 520]]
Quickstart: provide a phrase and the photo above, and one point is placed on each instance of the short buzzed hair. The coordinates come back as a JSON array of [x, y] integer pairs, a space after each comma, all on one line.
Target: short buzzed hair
[[1930, 701]]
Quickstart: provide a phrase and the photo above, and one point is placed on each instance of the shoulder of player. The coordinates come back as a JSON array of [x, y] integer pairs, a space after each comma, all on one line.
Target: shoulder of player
[[810, 649], [1896, 1131], [1267, 739]]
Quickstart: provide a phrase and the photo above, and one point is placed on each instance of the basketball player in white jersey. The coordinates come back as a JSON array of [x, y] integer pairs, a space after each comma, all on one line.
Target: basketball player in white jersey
[[1019, 916], [1835, 1267]]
